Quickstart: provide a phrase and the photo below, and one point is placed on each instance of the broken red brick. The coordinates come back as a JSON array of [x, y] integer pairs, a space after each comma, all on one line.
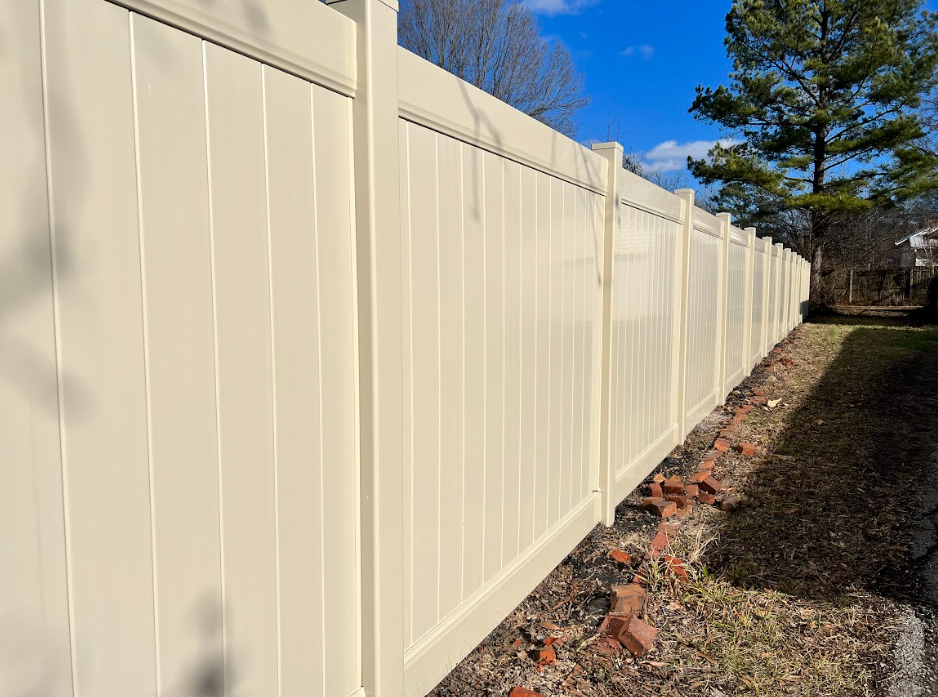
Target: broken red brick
[[745, 409], [680, 499], [759, 392], [722, 445], [634, 634], [728, 431], [710, 485], [706, 499], [677, 567], [697, 477], [655, 490], [620, 556], [758, 401], [691, 490], [669, 529], [746, 449], [705, 466], [658, 478], [661, 507], [546, 656], [739, 419], [674, 485], [686, 511], [660, 542], [524, 692], [627, 599]]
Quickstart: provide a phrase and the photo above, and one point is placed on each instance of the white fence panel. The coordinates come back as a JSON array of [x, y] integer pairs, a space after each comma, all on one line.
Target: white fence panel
[[703, 320], [642, 408], [499, 273], [202, 255], [759, 268], [736, 320]]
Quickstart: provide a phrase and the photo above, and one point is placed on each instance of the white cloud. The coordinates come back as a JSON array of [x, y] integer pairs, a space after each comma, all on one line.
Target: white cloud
[[559, 7], [671, 156], [644, 51]]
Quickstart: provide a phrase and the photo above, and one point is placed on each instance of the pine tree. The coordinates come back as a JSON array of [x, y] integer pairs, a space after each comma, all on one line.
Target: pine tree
[[823, 101]]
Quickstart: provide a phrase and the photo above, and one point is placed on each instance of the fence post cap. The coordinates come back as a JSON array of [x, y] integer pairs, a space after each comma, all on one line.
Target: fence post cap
[[595, 147]]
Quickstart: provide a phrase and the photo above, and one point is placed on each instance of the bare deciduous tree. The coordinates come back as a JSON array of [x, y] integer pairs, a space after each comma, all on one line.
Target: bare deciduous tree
[[497, 46]]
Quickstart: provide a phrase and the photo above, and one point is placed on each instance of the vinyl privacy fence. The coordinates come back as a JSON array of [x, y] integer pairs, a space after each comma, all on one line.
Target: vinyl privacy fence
[[315, 360]]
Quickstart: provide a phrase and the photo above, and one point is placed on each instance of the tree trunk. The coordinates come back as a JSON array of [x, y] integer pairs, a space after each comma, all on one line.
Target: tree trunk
[[817, 257]]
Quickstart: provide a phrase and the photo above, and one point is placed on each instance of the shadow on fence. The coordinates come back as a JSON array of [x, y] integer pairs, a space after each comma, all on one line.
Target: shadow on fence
[[833, 510]]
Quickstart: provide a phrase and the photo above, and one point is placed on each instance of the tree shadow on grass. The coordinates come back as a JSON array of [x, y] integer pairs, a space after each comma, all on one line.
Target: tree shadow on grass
[[834, 507]]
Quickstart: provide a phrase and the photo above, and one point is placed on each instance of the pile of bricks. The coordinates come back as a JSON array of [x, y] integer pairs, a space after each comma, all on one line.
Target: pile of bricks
[[623, 627]]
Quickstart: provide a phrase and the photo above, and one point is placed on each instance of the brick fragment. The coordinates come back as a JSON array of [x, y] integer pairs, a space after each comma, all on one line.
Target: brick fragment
[[627, 599], [680, 499], [728, 431], [669, 529], [758, 400], [722, 445], [655, 490], [739, 419], [636, 636], [660, 507], [674, 485], [661, 541], [686, 511], [658, 478], [745, 409], [691, 490], [710, 485], [524, 692], [677, 568], [546, 656], [746, 449], [698, 477], [705, 466], [759, 392], [620, 556], [706, 499]]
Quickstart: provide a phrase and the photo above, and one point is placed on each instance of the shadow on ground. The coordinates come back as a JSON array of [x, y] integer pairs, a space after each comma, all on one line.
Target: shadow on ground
[[835, 510]]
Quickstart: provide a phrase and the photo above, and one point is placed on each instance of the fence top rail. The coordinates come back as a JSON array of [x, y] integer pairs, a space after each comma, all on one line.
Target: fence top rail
[[432, 97], [759, 244], [740, 237], [707, 222], [639, 193], [303, 38]]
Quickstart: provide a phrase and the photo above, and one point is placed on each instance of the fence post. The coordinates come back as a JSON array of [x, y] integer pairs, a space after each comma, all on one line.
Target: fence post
[[723, 288], [750, 294], [376, 155], [602, 344], [681, 276]]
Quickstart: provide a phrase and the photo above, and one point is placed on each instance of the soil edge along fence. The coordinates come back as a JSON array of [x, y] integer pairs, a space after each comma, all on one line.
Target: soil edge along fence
[[316, 359]]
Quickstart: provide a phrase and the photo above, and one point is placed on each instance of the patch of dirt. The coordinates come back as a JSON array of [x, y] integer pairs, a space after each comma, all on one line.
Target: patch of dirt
[[803, 590]]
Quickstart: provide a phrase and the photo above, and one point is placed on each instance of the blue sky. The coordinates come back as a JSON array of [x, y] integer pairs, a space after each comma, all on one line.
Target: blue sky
[[642, 60]]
